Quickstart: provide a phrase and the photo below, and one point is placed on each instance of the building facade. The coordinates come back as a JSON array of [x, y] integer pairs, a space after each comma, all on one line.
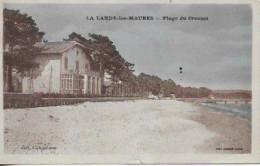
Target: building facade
[[64, 67]]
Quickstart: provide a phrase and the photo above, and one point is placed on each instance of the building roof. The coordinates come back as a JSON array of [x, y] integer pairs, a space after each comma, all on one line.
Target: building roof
[[61, 47], [58, 47]]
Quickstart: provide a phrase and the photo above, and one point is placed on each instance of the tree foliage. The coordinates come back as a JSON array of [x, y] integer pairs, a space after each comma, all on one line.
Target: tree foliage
[[20, 33], [150, 83], [113, 63], [77, 37], [233, 95]]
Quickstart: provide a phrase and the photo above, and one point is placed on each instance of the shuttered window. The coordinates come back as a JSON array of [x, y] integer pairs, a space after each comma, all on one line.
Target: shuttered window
[[77, 65], [66, 64]]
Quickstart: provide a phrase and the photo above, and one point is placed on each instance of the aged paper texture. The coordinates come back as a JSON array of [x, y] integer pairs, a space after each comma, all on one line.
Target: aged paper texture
[[140, 82]]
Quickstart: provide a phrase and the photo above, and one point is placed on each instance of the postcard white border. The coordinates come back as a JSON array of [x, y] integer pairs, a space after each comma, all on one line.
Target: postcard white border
[[254, 157]]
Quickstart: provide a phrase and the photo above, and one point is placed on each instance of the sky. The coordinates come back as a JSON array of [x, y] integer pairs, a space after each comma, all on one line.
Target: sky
[[216, 53]]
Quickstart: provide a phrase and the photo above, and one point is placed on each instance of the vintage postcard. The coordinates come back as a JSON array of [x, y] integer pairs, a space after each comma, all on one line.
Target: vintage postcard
[[144, 82]]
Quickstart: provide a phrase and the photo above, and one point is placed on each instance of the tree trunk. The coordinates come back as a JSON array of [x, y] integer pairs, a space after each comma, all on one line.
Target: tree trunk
[[10, 87], [5, 77], [102, 74]]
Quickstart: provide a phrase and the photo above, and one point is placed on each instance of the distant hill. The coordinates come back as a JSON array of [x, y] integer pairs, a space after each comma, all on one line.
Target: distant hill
[[232, 91], [235, 93]]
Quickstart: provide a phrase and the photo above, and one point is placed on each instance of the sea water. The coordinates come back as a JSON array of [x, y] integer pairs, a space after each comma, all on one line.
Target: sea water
[[239, 109]]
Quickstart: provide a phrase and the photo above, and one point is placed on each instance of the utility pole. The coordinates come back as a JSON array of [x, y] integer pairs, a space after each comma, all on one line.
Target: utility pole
[[50, 81]]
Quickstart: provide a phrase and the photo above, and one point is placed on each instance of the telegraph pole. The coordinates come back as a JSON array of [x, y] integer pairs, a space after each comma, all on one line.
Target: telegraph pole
[[50, 80]]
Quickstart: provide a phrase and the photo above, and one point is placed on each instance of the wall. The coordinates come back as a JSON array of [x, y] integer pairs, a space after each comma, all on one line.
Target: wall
[[46, 78], [94, 78], [15, 100], [72, 56]]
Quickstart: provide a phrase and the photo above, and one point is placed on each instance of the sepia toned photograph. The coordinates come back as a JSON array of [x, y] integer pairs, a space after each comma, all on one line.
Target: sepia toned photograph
[[127, 79]]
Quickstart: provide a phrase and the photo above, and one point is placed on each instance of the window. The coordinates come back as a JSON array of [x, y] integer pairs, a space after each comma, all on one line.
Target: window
[[77, 52], [66, 83], [71, 83], [66, 63], [77, 65]]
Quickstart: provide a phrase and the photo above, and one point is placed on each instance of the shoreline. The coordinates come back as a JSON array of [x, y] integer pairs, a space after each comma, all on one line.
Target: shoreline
[[234, 132]]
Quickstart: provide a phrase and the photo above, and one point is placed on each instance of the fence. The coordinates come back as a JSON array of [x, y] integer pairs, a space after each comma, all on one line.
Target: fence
[[14, 100], [19, 100]]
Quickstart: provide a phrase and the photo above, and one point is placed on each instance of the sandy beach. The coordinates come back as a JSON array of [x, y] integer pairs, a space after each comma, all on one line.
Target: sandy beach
[[234, 133], [130, 127]]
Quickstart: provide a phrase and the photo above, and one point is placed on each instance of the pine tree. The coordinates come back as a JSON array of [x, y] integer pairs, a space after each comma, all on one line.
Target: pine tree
[[20, 33]]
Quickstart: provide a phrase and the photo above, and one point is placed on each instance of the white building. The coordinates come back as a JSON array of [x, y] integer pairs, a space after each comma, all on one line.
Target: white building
[[64, 67]]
